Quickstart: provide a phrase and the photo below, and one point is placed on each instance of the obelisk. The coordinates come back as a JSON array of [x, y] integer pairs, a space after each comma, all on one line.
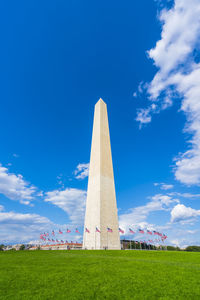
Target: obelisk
[[101, 229]]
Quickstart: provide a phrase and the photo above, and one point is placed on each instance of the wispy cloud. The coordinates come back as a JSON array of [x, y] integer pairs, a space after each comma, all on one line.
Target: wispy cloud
[[138, 216], [82, 171], [164, 186], [179, 74], [71, 200], [184, 195]]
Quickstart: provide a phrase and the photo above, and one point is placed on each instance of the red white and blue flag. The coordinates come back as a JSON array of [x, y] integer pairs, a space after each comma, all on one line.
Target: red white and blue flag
[[155, 232], [53, 233], [121, 230], [66, 242], [60, 231], [68, 230], [97, 230], [53, 240], [57, 241], [141, 231], [77, 230], [149, 232], [109, 229], [87, 230], [131, 231], [62, 241]]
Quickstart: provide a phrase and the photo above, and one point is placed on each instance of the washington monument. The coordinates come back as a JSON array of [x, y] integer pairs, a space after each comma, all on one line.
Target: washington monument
[[101, 228]]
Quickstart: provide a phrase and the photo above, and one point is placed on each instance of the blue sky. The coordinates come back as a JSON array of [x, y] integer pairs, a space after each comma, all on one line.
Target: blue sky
[[57, 59]]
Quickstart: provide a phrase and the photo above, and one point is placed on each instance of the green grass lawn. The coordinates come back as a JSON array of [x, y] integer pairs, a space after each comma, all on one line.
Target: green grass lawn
[[99, 275]]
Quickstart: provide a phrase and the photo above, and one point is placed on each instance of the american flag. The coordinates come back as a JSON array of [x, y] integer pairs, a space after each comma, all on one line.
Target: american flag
[[149, 232], [120, 230], [155, 232], [53, 233], [131, 231], [66, 242], [57, 241], [62, 241], [109, 229], [164, 236], [68, 231], [141, 231], [160, 234], [47, 234], [49, 240], [53, 240], [77, 230], [87, 230], [60, 231], [97, 230]]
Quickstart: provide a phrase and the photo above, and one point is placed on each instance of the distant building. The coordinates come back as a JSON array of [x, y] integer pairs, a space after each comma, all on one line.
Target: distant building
[[65, 246]]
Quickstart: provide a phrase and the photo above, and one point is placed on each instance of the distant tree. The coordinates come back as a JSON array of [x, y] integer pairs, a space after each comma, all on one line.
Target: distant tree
[[193, 248], [172, 248], [22, 247], [38, 248], [1, 247]]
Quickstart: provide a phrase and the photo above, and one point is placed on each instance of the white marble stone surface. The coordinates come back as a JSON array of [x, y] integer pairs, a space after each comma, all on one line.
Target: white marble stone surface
[[101, 208]]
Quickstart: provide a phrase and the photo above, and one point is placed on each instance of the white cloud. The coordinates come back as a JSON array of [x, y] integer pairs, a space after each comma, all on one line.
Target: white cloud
[[20, 228], [138, 216], [179, 73], [144, 115], [182, 213], [71, 200], [82, 171], [164, 186], [26, 228], [185, 195], [15, 187]]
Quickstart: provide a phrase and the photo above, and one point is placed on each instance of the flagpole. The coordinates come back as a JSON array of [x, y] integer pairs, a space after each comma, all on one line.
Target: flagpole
[[85, 237], [107, 238], [95, 239]]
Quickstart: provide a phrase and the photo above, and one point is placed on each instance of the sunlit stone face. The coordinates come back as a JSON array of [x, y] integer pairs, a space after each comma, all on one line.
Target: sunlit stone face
[[101, 208]]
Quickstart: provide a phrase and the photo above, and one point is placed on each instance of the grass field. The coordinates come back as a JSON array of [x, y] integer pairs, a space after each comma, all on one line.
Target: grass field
[[99, 275]]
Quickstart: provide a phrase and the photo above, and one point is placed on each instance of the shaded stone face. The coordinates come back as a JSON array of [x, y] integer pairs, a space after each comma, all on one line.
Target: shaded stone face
[[101, 208]]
